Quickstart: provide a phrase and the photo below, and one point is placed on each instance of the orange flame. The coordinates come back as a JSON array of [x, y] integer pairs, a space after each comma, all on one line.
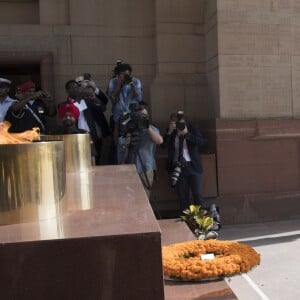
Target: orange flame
[[25, 137]]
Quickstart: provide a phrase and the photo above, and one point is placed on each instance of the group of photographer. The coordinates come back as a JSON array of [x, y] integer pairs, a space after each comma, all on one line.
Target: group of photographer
[[134, 138]]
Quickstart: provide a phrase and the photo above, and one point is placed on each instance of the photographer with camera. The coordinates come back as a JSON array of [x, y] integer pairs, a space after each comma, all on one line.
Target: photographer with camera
[[123, 90], [92, 91], [142, 139], [184, 162], [90, 118], [31, 109]]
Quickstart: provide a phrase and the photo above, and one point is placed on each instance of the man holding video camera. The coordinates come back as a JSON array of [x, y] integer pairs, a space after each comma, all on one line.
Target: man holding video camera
[[184, 162], [142, 139], [123, 91]]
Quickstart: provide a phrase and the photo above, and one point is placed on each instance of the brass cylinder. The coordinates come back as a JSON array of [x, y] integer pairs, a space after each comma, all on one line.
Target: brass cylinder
[[77, 150], [32, 181]]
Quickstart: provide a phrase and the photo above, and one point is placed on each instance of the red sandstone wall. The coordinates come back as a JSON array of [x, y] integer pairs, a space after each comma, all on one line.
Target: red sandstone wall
[[258, 169]]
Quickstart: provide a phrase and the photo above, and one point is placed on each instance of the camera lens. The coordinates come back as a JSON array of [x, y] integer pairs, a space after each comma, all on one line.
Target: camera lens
[[127, 79], [87, 76], [180, 115], [180, 125], [175, 175]]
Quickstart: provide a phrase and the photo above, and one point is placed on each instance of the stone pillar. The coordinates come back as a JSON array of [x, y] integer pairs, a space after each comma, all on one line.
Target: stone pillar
[[258, 54], [257, 133], [54, 12], [180, 82]]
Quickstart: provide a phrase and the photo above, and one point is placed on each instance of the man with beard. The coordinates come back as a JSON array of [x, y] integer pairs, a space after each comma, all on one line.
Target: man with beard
[[88, 120], [69, 114]]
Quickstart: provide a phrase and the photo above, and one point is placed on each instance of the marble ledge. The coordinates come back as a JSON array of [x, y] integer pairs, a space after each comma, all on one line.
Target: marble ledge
[[105, 201]]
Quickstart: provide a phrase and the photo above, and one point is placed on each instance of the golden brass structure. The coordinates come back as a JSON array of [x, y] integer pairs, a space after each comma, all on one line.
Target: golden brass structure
[[32, 181], [77, 150]]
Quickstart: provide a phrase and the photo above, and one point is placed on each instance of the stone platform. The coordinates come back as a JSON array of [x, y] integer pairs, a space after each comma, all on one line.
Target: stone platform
[[107, 245]]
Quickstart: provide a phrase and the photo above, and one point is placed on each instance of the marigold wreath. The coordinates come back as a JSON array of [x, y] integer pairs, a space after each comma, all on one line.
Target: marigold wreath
[[183, 260]]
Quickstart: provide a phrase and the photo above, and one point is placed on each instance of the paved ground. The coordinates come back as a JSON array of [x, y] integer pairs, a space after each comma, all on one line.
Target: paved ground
[[278, 276]]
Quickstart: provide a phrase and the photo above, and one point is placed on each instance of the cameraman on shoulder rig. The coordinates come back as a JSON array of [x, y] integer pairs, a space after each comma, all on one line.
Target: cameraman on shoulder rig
[[123, 91], [184, 162], [142, 140]]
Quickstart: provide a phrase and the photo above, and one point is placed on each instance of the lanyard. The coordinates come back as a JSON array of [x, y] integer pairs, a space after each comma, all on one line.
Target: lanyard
[[123, 100]]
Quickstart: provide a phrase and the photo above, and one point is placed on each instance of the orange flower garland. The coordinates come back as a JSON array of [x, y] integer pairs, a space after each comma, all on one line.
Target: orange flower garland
[[183, 260]]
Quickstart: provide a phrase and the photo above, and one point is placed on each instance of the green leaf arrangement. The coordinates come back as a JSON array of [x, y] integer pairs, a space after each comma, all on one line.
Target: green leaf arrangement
[[200, 222]]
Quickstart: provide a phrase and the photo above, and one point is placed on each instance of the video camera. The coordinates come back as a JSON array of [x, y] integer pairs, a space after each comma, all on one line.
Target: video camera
[[132, 121]]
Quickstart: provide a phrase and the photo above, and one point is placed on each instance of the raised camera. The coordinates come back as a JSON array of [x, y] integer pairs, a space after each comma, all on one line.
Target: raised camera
[[180, 124], [180, 115], [87, 76], [127, 79], [44, 95]]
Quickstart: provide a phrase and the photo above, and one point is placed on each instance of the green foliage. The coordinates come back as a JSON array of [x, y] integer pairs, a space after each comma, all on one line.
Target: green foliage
[[198, 221]]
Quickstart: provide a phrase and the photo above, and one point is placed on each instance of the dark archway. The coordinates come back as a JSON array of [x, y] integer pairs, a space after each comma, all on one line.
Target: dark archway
[[24, 66]]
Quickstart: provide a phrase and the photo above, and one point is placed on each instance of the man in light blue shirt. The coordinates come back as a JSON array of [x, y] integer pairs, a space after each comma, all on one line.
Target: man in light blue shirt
[[5, 101], [123, 91]]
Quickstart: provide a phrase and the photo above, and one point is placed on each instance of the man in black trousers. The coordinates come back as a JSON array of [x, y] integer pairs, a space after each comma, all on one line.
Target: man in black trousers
[[183, 141]]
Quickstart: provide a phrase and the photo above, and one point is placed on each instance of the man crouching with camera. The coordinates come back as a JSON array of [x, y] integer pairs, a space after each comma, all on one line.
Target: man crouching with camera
[[184, 162], [142, 140]]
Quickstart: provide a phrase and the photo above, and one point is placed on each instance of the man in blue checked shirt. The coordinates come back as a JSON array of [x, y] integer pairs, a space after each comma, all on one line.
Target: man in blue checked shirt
[[123, 91]]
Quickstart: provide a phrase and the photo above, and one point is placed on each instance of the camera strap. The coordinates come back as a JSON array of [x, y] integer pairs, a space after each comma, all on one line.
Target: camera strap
[[147, 183], [123, 100], [36, 117], [180, 148]]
